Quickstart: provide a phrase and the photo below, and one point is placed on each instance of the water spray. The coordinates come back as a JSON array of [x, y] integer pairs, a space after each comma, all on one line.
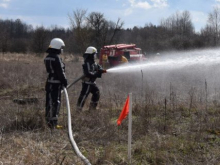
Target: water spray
[[180, 60], [74, 145], [174, 61]]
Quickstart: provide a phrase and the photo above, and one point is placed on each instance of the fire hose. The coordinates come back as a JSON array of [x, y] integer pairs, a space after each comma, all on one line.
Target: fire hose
[[79, 78], [75, 81], [74, 145]]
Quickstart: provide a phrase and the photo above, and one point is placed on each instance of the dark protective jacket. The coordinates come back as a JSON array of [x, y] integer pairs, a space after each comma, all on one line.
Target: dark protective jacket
[[91, 70], [55, 69]]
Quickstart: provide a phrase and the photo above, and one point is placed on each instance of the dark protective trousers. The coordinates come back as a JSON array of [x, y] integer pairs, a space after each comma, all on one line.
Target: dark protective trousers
[[53, 99], [86, 89]]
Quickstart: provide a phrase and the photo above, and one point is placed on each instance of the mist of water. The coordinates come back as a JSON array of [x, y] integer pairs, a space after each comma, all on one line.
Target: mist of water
[[181, 71], [173, 60]]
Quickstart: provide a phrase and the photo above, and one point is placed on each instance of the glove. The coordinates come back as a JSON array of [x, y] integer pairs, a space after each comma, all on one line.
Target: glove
[[65, 83], [102, 71]]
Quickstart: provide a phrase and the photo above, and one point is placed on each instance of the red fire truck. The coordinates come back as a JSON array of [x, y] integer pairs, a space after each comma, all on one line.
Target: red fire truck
[[114, 55]]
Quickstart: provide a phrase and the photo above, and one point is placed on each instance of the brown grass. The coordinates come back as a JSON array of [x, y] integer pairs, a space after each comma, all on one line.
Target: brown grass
[[185, 132]]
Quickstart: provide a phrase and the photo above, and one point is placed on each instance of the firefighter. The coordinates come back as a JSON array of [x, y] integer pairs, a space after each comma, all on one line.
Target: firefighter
[[104, 60], [56, 80], [124, 59], [92, 71]]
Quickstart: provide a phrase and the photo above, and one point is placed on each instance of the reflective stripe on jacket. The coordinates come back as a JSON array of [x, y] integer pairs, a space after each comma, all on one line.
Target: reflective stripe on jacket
[[91, 71], [55, 69]]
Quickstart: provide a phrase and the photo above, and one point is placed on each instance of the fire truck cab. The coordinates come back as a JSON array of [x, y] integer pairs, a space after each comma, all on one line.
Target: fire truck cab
[[114, 55]]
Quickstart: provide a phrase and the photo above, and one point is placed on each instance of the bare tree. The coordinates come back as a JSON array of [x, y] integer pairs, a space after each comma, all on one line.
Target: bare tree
[[4, 41], [80, 29], [180, 29], [104, 32], [186, 24], [40, 40], [118, 26], [214, 24], [93, 29], [179, 23], [99, 27], [207, 35]]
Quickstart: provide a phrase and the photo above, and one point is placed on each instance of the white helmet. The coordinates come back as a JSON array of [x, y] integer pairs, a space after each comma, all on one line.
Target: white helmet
[[56, 43], [91, 50]]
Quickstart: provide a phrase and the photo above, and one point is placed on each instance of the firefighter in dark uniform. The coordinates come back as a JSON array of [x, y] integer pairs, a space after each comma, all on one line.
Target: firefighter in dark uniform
[[92, 71], [56, 80]]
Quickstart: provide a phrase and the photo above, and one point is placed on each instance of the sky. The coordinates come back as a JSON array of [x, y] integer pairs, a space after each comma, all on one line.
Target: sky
[[132, 12]]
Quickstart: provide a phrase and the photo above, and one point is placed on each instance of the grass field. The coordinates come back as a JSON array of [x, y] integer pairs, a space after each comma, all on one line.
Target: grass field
[[175, 117]]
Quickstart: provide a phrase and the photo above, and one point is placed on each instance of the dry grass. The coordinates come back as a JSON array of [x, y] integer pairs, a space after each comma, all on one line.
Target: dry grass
[[179, 131]]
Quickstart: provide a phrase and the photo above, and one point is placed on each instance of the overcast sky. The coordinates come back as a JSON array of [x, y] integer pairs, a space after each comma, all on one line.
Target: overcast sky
[[132, 12]]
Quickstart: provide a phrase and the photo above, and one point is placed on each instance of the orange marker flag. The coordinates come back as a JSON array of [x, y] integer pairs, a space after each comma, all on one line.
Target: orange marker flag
[[124, 111]]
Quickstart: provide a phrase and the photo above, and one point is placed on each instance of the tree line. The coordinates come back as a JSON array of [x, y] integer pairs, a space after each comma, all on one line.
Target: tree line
[[176, 32]]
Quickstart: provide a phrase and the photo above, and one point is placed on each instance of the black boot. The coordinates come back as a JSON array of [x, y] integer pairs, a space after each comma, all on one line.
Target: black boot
[[92, 106], [52, 124]]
